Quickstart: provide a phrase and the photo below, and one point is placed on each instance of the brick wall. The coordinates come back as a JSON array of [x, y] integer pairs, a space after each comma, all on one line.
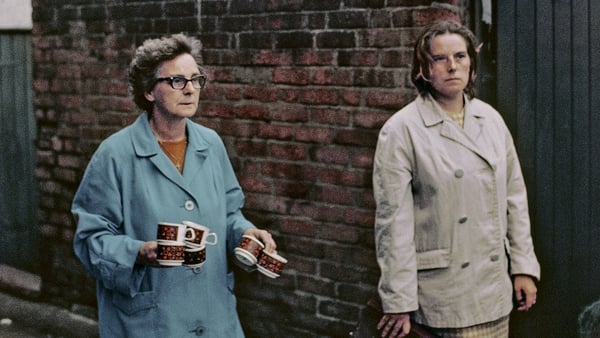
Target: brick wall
[[298, 90]]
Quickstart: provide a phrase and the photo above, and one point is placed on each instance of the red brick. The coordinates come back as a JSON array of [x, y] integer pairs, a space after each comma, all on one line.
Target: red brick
[[251, 112], [319, 96], [371, 119], [318, 135], [426, 16], [217, 110], [249, 148], [290, 76], [336, 77], [330, 116], [275, 132], [351, 97], [393, 99], [363, 158], [289, 114], [333, 155], [293, 152], [298, 227], [314, 58], [263, 94], [293, 189], [356, 137], [270, 58], [256, 184], [337, 195]]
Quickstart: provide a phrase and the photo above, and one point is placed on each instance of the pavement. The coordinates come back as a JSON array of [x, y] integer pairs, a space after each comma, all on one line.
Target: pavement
[[22, 315]]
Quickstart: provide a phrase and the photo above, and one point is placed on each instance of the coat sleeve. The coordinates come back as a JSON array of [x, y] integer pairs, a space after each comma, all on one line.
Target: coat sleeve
[[99, 242], [394, 222], [522, 257], [236, 222]]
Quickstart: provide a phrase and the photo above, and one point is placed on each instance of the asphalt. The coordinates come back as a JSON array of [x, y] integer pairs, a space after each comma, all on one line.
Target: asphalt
[[23, 316]]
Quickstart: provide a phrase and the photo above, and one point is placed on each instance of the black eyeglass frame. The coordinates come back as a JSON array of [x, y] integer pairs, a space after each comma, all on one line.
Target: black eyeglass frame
[[170, 79]]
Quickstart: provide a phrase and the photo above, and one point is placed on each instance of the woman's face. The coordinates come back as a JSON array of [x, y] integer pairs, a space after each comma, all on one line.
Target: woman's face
[[450, 66], [176, 103]]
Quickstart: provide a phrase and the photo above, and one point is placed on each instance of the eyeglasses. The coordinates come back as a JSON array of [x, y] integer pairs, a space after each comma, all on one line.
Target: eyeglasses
[[178, 82]]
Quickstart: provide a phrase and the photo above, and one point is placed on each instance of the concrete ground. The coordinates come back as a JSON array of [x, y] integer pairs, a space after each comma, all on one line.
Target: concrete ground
[[21, 316]]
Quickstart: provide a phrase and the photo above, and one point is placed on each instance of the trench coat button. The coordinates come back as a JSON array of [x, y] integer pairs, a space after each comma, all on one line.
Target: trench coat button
[[494, 258], [462, 220], [199, 330], [459, 173], [197, 269], [465, 264], [189, 205]]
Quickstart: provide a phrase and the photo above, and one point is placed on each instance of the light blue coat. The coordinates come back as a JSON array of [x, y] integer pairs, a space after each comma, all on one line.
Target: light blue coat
[[130, 186]]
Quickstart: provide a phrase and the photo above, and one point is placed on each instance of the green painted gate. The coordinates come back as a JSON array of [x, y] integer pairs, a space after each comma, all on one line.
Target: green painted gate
[[18, 201]]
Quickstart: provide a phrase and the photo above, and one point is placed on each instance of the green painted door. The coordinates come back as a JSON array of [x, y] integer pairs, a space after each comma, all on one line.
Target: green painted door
[[18, 197]]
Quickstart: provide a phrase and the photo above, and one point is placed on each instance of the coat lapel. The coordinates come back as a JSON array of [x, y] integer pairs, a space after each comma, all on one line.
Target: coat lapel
[[469, 136], [196, 154], [146, 146]]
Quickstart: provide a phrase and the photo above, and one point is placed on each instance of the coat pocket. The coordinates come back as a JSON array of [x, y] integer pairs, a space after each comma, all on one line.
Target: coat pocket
[[433, 259], [129, 305]]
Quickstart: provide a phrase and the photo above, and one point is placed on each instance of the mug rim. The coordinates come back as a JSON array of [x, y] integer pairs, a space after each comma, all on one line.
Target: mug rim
[[196, 225], [255, 240], [276, 256], [166, 242], [170, 223]]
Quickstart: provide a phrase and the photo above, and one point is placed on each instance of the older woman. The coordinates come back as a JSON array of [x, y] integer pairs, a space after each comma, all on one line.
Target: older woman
[[163, 167], [452, 223]]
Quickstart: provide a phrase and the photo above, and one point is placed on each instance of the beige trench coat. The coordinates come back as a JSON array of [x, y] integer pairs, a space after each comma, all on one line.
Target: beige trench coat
[[452, 222]]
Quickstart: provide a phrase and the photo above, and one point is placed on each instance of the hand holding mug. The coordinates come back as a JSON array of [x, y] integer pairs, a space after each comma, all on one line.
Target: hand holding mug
[[147, 254], [263, 236]]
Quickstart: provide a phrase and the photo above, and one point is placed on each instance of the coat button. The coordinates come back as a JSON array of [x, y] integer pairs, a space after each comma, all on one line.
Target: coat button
[[197, 270], [462, 220], [494, 258], [189, 205], [465, 264], [459, 173], [199, 330]]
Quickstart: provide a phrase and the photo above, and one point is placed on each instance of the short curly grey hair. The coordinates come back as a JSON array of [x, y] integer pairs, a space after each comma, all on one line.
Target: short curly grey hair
[[150, 55]]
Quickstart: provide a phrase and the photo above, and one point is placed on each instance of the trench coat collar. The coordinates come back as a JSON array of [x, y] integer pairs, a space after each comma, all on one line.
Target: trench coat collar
[[146, 146], [469, 136]]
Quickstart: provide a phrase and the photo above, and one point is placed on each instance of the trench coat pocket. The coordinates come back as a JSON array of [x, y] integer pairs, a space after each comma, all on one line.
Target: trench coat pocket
[[433, 259], [129, 305]]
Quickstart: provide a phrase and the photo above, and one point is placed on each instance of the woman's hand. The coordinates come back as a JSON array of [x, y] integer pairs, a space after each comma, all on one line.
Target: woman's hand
[[147, 254], [525, 292], [394, 325], [263, 236]]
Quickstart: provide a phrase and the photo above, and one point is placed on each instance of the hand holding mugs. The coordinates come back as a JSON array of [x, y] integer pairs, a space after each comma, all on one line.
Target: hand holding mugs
[[183, 244], [170, 253], [251, 252]]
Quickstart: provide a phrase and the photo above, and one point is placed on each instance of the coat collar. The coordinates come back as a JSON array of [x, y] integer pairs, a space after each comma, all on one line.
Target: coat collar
[[469, 136], [146, 146]]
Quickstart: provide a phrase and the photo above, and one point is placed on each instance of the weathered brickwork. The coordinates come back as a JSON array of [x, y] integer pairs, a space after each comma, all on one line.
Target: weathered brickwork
[[298, 90]]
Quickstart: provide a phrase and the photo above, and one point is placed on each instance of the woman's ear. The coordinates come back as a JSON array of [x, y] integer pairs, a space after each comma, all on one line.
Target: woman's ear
[[478, 48], [149, 96]]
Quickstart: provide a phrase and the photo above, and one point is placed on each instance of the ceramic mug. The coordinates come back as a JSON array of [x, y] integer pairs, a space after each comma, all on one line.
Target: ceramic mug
[[271, 264], [202, 235], [195, 257], [174, 232], [249, 250], [170, 253]]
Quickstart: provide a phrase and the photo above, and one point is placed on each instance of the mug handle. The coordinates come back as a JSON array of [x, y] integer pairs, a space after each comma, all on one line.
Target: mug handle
[[192, 234], [214, 238]]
